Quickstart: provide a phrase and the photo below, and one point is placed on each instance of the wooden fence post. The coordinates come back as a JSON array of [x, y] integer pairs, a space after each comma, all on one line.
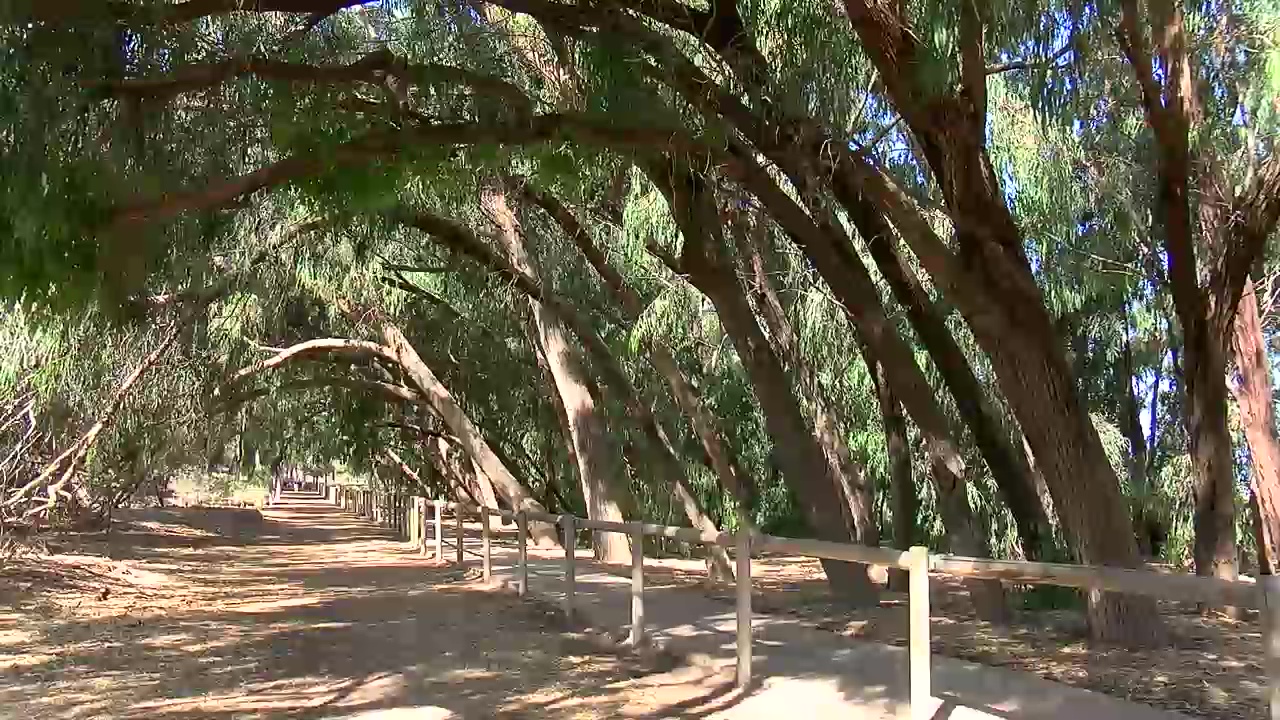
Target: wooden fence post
[[439, 521], [422, 526], [570, 545], [459, 530], [1271, 640], [743, 542], [637, 585], [918, 612], [484, 539], [522, 527]]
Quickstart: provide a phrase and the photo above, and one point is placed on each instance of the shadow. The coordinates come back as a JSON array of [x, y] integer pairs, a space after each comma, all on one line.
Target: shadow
[[800, 667], [303, 612]]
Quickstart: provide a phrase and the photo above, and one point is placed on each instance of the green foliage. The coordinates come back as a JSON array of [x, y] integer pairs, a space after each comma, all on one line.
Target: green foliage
[[79, 155]]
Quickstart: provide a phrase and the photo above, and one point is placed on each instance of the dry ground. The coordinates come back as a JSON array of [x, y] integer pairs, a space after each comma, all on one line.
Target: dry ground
[[1212, 666], [220, 613]]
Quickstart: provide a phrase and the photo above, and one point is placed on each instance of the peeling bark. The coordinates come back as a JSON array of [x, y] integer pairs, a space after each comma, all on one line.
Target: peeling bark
[[803, 463], [1253, 393], [856, 493], [599, 463]]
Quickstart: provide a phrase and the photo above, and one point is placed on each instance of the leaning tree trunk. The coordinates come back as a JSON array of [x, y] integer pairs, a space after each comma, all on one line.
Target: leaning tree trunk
[[68, 462], [857, 494], [733, 479], [599, 470], [827, 246], [638, 412], [1006, 311], [803, 464], [905, 497], [470, 437], [1253, 394], [1008, 465]]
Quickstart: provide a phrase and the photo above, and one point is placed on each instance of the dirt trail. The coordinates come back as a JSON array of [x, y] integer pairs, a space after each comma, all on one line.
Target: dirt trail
[[302, 612]]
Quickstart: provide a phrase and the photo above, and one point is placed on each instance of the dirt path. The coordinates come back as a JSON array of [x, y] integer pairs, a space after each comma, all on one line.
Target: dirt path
[[301, 612]]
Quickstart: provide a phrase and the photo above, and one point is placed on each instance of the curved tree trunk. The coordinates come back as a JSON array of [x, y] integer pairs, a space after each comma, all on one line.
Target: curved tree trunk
[[856, 493], [1008, 466], [803, 464], [599, 468], [470, 437], [1253, 394], [732, 478], [638, 412], [1006, 311], [824, 243]]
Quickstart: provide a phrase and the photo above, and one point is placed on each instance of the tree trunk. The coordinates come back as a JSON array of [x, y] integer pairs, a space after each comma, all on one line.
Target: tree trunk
[[840, 267], [1139, 454], [800, 456], [990, 280], [462, 240], [1209, 437], [440, 400], [1253, 393], [599, 468], [733, 479], [857, 495], [1008, 466], [1006, 311], [906, 500], [68, 462]]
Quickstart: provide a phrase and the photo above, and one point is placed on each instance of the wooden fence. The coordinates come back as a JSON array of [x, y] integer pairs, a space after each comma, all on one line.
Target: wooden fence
[[410, 516]]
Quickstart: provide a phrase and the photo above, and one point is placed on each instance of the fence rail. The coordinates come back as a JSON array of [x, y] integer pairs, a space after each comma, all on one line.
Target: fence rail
[[411, 513]]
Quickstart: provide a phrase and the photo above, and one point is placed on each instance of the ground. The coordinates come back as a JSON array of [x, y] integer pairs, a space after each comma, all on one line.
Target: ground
[[209, 613], [1212, 666], [222, 613]]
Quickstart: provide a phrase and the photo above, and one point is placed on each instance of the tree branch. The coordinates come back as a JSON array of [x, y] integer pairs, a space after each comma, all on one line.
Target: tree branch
[[384, 142], [374, 67], [314, 347], [70, 13], [1050, 63]]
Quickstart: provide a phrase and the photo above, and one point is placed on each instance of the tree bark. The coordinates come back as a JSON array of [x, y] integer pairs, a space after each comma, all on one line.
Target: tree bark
[[400, 351], [905, 497], [1008, 466], [856, 493], [991, 282], [1139, 453], [842, 270], [638, 412], [600, 469], [1171, 106], [799, 454], [1253, 393], [733, 479]]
